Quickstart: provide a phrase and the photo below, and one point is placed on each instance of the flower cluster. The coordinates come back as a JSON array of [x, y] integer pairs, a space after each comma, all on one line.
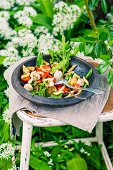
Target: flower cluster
[[41, 30], [6, 151], [46, 42], [65, 17], [6, 31], [48, 155], [6, 116], [24, 2], [23, 17], [6, 4], [11, 55], [82, 150]]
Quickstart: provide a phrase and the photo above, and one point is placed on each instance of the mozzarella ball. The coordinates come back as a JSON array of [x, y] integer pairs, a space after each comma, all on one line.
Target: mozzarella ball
[[28, 87], [58, 75]]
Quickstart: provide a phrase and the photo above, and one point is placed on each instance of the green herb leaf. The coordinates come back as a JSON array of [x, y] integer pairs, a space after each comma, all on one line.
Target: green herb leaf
[[56, 96], [39, 60]]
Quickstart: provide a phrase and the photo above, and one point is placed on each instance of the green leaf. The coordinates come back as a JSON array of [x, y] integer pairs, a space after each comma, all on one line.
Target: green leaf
[[76, 163], [37, 164], [102, 68], [2, 58], [104, 6], [100, 48], [82, 47], [3, 85], [105, 57], [110, 78], [55, 129], [46, 7], [39, 60], [103, 36], [41, 19], [88, 49]]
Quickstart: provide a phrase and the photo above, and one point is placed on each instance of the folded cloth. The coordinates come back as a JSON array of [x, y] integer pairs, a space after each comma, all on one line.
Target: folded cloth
[[83, 115]]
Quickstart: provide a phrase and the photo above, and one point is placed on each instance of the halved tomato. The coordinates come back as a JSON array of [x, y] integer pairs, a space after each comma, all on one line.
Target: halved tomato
[[26, 79]]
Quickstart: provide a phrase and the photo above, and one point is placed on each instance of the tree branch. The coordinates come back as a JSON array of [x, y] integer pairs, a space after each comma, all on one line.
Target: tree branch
[[91, 16]]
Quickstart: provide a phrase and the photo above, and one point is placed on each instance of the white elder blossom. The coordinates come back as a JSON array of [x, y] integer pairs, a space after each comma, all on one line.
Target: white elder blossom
[[11, 56], [46, 153], [24, 2], [82, 150], [25, 39], [5, 30], [23, 17], [50, 162], [5, 15], [6, 4], [41, 30], [65, 17], [6, 116], [46, 42], [6, 151]]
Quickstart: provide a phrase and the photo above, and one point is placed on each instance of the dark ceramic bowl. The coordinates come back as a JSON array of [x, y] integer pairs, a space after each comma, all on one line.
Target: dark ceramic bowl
[[81, 69]]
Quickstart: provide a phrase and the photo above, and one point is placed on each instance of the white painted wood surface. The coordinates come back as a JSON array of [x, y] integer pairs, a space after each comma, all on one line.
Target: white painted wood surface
[[30, 121]]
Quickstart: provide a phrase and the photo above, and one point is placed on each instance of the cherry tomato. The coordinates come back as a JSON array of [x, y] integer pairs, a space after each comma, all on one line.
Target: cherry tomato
[[37, 69], [66, 89], [59, 86], [26, 79], [46, 68], [45, 74]]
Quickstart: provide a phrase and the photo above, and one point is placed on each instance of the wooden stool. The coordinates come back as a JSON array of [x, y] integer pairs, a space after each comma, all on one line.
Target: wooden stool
[[29, 120]]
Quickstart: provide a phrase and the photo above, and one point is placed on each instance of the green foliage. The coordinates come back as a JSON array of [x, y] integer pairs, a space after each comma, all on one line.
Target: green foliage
[[77, 163], [63, 55], [46, 7], [39, 60], [104, 6], [37, 164]]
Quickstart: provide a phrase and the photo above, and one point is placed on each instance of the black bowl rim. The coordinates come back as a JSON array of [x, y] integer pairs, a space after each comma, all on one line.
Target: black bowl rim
[[39, 100]]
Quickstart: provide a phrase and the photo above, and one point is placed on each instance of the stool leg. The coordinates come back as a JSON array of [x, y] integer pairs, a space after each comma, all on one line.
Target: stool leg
[[26, 144], [99, 135]]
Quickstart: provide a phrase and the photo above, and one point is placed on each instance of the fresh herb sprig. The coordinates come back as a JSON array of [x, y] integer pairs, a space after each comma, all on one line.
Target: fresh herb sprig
[[62, 57]]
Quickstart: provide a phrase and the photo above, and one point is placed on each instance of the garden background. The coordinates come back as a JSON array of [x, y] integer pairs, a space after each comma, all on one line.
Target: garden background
[[28, 27]]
